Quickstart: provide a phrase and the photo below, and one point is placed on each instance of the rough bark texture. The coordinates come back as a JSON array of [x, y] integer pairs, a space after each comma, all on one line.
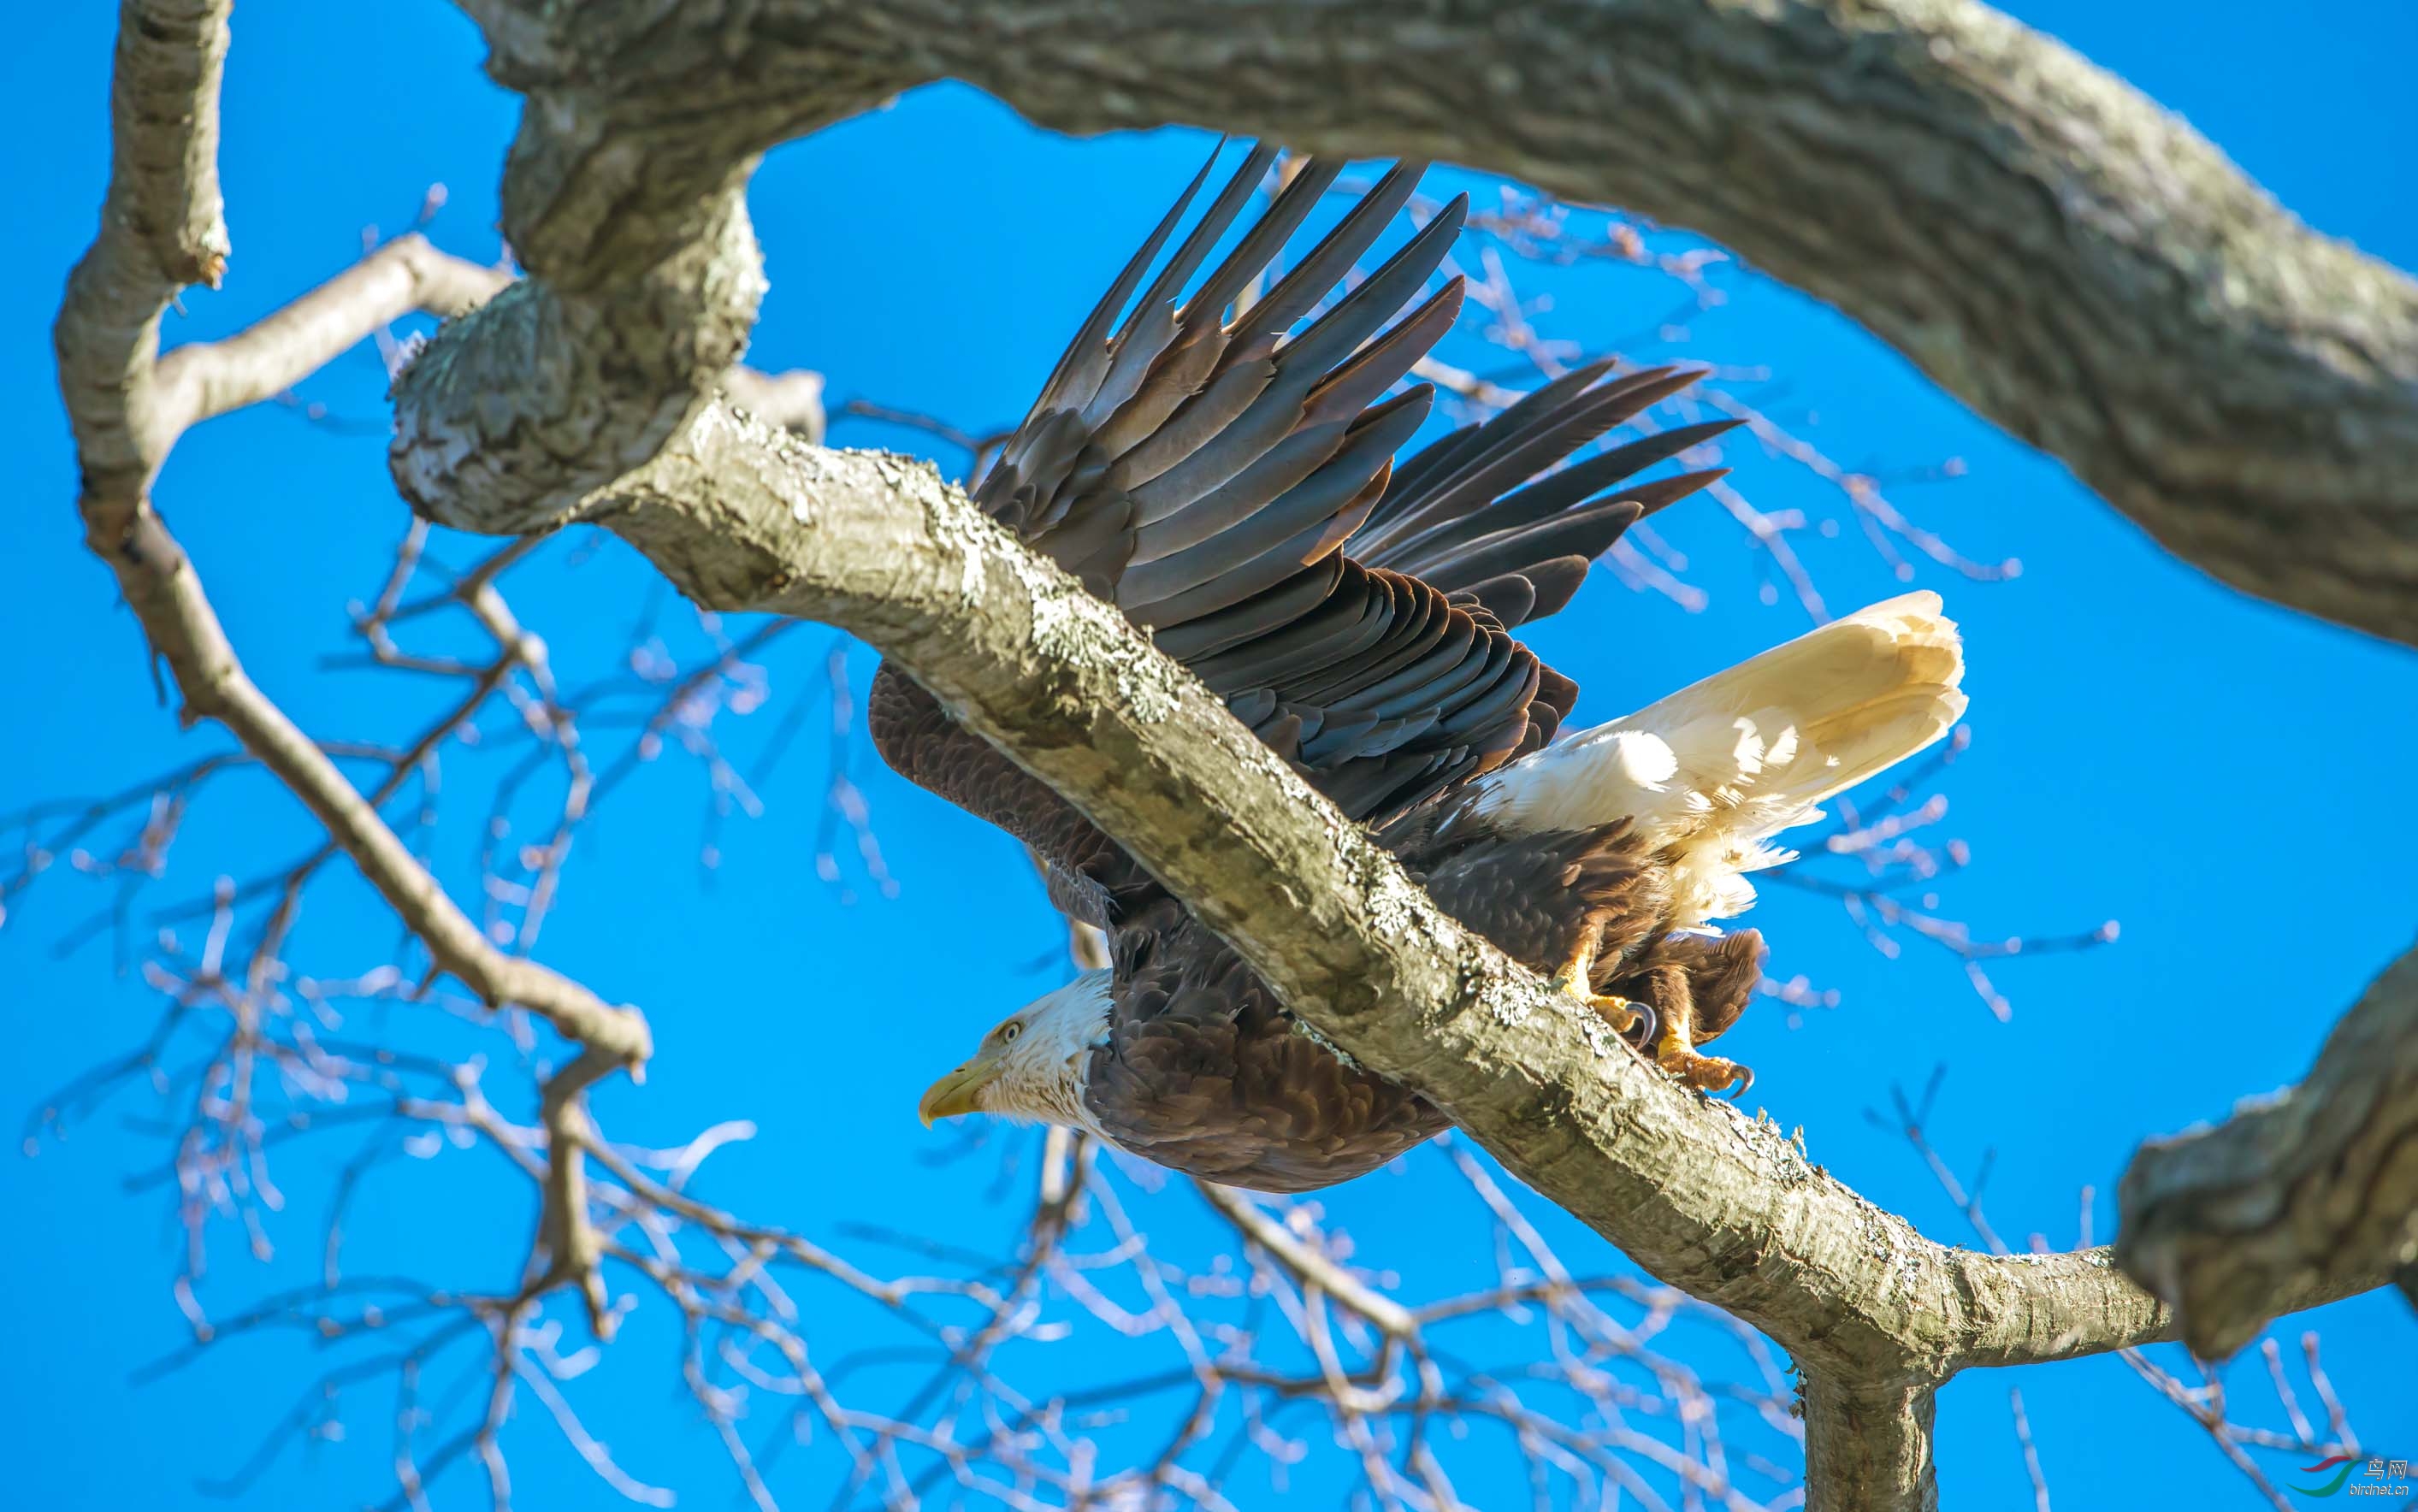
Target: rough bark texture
[[1874, 1437], [2049, 244], [740, 516], [2072, 261], [163, 227], [2322, 1177]]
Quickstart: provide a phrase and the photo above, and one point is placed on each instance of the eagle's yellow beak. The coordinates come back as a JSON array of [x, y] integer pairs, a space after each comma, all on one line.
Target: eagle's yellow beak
[[960, 1090]]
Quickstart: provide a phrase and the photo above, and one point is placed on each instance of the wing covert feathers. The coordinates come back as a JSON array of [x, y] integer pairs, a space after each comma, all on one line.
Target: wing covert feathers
[[1225, 475]]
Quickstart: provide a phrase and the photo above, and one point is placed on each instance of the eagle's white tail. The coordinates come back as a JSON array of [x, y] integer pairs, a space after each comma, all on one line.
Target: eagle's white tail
[[1709, 773]]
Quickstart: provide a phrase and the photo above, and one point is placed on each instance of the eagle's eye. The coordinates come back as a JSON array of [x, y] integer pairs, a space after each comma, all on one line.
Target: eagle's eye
[[1008, 1032]]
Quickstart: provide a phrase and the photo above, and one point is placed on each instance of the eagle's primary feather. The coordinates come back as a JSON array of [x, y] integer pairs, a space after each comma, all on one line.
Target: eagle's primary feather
[[1221, 469]]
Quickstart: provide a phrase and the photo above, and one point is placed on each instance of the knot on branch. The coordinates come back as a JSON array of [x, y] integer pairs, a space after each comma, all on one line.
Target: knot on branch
[[2313, 1191], [517, 414]]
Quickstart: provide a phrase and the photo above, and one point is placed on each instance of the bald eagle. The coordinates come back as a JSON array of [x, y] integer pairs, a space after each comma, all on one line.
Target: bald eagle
[[1227, 481]]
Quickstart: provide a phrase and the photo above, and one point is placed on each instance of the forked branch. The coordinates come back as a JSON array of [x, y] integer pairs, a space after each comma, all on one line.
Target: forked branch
[[600, 389]]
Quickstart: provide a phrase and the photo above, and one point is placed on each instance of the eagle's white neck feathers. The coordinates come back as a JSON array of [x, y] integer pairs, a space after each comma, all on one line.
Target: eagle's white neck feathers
[[1042, 1071]]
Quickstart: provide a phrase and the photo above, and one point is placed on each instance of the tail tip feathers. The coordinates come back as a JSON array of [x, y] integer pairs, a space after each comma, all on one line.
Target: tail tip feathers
[[1714, 770]]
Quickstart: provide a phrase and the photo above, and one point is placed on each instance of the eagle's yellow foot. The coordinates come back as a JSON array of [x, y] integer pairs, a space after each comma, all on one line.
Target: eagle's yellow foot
[[1704, 1073], [1622, 1014]]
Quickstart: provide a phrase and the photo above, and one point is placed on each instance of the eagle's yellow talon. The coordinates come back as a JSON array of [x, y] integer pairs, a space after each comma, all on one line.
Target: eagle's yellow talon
[[1573, 979], [1621, 1013], [1704, 1073]]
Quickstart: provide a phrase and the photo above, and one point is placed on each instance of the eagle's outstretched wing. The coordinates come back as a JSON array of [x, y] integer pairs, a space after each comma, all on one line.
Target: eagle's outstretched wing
[[1227, 482]]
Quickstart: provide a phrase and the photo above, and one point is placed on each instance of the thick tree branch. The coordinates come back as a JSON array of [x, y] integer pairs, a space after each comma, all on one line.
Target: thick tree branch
[[741, 517], [2051, 246], [205, 380], [127, 410], [161, 228], [1870, 1444], [603, 387], [2048, 243], [610, 356], [2316, 1183]]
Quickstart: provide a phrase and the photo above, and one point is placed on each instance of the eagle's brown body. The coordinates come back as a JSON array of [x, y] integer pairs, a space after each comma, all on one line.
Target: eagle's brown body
[[1203, 1069], [1205, 1072], [1229, 483]]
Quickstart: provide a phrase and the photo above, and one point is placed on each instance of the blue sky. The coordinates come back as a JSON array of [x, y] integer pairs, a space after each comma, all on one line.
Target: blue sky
[[2224, 778]]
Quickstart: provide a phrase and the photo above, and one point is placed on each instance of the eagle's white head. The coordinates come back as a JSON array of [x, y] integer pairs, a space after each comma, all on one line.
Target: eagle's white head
[[1033, 1063]]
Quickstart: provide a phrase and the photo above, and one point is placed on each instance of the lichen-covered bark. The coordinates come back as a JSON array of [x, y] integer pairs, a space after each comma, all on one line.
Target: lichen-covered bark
[[603, 387], [2227, 1223], [741, 516], [2075, 262], [2046, 242]]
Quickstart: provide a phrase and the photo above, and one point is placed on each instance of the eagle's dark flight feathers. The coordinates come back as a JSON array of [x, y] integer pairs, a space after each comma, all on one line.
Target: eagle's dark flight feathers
[[1227, 482]]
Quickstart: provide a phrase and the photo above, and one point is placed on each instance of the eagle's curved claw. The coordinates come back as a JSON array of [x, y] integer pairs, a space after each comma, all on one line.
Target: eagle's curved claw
[[1651, 1020]]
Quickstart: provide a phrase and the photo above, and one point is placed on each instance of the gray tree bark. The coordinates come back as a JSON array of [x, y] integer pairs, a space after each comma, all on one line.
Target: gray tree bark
[[2223, 1222], [2052, 247], [2072, 260]]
